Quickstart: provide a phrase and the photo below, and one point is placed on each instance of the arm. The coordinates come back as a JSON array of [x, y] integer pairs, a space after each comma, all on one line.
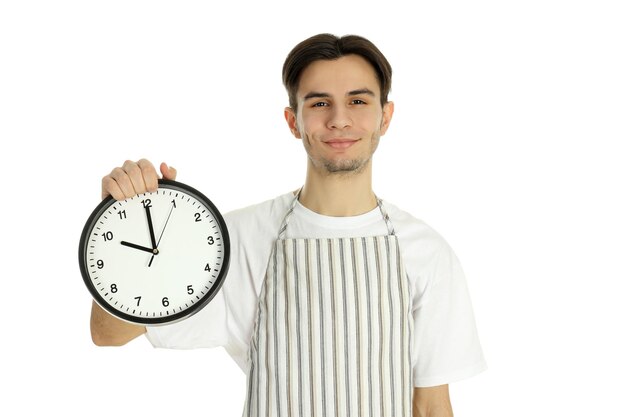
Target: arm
[[124, 182], [107, 330], [432, 402]]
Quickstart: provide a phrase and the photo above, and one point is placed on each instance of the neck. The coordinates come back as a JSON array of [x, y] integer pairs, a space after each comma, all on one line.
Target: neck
[[338, 194]]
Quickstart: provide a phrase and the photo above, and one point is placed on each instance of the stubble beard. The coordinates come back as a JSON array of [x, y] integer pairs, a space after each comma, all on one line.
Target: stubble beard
[[346, 167]]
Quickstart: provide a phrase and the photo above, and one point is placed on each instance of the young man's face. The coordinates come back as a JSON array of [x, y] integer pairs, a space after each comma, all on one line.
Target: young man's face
[[339, 118]]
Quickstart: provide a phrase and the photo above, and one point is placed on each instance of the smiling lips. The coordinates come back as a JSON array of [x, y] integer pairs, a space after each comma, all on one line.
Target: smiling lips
[[340, 143]]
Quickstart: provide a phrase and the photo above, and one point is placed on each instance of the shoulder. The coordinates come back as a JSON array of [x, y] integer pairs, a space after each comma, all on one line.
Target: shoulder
[[264, 217], [269, 208], [427, 256], [415, 235]]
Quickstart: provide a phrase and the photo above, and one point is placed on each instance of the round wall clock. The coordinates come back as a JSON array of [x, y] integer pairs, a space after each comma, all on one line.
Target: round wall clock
[[155, 258]]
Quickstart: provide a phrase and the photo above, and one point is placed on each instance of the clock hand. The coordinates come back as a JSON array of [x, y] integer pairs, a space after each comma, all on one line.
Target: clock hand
[[164, 226], [152, 239], [154, 251]]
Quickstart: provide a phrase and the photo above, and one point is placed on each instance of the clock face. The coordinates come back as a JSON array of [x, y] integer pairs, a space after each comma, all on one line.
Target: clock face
[[157, 257]]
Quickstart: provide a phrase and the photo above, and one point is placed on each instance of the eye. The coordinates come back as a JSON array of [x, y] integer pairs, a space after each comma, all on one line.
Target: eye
[[358, 101], [320, 104]]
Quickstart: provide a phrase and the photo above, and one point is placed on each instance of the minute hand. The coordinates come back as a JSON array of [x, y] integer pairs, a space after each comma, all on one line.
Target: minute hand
[[152, 238], [164, 226]]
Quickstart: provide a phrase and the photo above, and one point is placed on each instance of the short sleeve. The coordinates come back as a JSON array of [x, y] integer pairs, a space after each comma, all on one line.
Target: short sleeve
[[205, 329], [446, 344]]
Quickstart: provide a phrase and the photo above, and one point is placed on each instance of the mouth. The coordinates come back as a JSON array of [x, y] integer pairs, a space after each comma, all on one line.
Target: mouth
[[340, 143]]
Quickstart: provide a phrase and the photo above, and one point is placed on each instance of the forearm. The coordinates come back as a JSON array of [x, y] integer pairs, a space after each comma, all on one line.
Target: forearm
[[433, 412], [106, 330], [432, 402]]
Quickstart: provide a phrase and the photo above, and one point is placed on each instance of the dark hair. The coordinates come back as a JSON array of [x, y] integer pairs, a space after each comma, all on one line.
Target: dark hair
[[326, 46]]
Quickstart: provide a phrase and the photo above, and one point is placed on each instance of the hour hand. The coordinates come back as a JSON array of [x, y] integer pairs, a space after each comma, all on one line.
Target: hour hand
[[143, 248]]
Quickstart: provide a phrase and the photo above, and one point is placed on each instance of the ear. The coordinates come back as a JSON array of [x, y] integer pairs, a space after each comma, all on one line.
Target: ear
[[387, 115], [292, 122]]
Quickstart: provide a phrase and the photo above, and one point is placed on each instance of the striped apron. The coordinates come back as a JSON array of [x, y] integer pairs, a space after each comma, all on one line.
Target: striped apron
[[333, 330]]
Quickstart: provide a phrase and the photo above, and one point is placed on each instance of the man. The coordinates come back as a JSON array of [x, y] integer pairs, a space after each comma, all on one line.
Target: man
[[335, 303]]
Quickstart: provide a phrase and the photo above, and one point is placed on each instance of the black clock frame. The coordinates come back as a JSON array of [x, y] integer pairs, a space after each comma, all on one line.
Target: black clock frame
[[196, 307]]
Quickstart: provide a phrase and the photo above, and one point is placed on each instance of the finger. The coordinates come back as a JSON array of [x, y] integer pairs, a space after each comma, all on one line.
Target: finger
[[149, 174], [121, 178], [111, 188], [169, 173], [136, 177]]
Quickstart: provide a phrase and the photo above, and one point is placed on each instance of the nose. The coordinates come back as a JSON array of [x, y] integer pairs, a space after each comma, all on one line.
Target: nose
[[339, 118]]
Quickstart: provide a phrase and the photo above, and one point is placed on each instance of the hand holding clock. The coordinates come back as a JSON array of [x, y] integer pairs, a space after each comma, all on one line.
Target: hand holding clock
[[134, 178], [197, 247], [130, 179], [123, 182]]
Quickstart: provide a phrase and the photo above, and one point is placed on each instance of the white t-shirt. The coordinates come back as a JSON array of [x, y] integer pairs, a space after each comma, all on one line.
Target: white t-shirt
[[445, 347]]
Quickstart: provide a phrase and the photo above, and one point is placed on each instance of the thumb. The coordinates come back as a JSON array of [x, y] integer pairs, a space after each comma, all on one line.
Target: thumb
[[169, 173]]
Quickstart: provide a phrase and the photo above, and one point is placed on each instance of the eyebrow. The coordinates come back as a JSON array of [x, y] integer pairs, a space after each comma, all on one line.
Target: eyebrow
[[360, 91]]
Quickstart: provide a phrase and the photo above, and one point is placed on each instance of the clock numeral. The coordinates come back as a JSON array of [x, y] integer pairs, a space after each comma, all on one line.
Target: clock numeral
[[138, 300], [146, 203], [100, 264], [113, 288], [207, 268], [211, 240], [189, 289], [122, 214], [174, 202], [197, 216], [165, 302], [108, 236]]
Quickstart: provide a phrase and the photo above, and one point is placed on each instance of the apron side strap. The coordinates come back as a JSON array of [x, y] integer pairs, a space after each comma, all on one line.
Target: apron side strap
[[390, 228]]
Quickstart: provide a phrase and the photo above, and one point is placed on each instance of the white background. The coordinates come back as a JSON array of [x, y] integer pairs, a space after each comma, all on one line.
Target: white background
[[507, 139]]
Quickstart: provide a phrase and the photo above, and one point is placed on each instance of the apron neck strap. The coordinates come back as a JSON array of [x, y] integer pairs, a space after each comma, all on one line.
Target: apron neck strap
[[379, 202]]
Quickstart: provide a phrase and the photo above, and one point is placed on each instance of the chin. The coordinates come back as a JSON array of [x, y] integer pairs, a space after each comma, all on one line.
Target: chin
[[350, 166]]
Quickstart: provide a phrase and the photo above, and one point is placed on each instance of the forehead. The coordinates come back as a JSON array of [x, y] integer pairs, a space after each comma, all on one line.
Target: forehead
[[338, 76]]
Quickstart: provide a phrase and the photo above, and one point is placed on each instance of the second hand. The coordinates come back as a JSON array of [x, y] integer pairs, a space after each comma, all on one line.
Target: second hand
[[166, 221], [162, 231]]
